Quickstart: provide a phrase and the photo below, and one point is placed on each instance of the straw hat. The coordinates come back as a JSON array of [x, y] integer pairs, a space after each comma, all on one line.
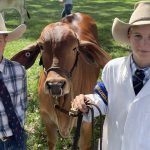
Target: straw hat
[[140, 16], [11, 35]]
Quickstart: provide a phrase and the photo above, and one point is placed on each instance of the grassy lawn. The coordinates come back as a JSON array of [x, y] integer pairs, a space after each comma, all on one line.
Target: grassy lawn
[[44, 12]]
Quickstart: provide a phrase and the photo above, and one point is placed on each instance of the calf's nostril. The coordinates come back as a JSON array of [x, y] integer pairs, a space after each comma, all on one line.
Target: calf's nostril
[[56, 89]]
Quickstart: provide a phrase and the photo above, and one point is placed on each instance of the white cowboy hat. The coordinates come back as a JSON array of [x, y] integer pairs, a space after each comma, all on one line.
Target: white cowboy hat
[[11, 35], [140, 16]]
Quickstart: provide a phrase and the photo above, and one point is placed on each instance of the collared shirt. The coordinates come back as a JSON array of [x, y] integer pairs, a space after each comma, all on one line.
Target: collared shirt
[[14, 77], [146, 70]]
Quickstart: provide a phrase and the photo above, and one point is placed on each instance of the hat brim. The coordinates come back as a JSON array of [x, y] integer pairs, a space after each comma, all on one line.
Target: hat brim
[[120, 29], [15, 34]]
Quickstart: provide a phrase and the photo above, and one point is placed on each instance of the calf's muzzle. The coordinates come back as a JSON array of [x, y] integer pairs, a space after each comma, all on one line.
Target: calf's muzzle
[[55, 88]]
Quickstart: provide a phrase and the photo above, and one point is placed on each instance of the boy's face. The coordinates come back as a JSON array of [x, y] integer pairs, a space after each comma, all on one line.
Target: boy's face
[[139, 37], [2, 45]]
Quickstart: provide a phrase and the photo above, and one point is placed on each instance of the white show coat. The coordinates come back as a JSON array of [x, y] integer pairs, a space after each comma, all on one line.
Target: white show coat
[[127, 123]]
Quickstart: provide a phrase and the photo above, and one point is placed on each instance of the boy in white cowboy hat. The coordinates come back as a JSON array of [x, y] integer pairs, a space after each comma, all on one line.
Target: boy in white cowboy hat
[[13, 82], [126, 79]]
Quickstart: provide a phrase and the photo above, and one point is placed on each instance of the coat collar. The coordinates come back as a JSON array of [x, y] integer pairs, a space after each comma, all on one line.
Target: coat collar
[[126, 77]]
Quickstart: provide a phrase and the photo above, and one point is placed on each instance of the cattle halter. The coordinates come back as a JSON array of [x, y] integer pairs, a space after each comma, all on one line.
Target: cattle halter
[[67, 73], [76, 113], [56, 90]]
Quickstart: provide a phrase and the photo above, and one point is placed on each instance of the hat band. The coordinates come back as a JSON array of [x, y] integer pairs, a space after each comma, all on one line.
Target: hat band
[[141, 19]]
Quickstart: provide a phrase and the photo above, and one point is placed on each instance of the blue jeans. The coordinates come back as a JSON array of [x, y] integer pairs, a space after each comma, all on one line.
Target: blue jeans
[[11, 144], [67, 10]]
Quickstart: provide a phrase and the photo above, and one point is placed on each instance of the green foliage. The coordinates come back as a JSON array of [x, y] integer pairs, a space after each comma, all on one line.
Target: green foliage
[[42, 13]]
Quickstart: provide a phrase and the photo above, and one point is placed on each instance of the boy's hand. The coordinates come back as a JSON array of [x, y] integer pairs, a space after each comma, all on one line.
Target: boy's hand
[[80, 103]]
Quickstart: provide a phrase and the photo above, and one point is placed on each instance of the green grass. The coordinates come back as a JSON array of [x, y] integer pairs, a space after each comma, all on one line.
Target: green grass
[[44, 12]]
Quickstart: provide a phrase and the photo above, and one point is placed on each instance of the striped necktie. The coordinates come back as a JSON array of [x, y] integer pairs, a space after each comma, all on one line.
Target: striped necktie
[[13, 120], [138, 78]]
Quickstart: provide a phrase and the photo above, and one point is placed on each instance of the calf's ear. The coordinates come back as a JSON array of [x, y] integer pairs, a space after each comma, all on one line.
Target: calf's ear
[[93, 54], [27, 55]]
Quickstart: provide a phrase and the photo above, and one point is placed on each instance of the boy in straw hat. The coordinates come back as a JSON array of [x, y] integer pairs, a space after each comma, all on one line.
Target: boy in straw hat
[[12, 88], [127, 86]]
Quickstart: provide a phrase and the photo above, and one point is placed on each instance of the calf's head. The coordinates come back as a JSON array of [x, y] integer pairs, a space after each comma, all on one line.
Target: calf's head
[[60, 48]]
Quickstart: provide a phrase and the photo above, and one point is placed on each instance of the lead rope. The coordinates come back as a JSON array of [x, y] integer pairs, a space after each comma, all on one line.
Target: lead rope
[[101, 125], [79, 121], [77, 132]]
